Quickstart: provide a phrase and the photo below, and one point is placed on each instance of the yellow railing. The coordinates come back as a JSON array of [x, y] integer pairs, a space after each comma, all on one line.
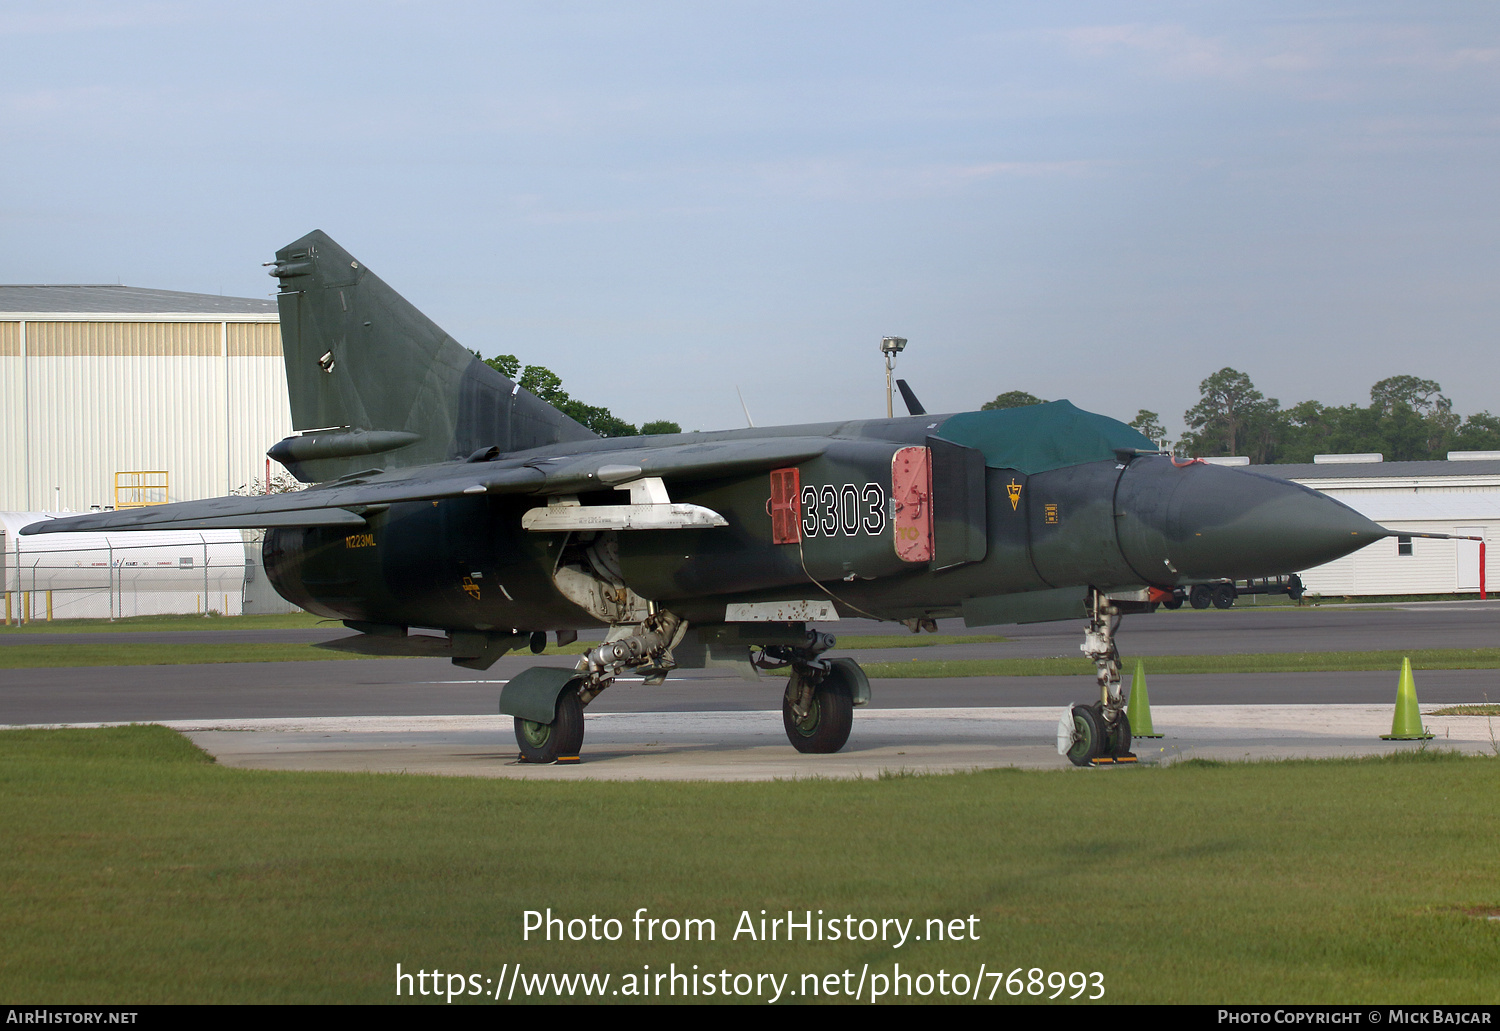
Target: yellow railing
[[139, 489]]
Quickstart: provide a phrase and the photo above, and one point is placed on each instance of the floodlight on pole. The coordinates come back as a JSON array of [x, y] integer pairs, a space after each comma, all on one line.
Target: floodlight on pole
[[890, 347]]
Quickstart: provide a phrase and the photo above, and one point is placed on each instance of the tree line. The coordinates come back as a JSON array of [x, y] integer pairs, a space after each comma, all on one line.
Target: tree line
[[1407, 420], [547, 385]]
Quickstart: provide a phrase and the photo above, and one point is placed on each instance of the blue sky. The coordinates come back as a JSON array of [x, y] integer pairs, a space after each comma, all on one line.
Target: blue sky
[[663, 201]]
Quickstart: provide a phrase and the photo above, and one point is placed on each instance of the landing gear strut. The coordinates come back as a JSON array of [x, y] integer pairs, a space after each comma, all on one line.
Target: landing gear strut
[[529, 696], [1099, 734]]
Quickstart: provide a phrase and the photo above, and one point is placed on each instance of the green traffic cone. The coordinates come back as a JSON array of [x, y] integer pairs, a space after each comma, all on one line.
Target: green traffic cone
[[1139, 709], [1407, 726]]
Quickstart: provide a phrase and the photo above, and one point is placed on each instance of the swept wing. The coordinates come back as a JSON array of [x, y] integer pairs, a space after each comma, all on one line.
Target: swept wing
[[344, 502]]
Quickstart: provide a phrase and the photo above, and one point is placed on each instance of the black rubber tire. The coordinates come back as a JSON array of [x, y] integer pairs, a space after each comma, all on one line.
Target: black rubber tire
[[1224, 595], [1119, 737], [1091, 734], [1174, 603], [1201, 596], [560, 739], [828, 723]]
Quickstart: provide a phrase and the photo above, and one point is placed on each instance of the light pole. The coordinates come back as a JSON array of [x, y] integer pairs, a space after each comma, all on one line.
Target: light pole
[[890, 347]]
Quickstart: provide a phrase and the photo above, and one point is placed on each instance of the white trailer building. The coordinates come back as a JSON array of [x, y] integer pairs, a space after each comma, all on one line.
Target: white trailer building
[[1458, 496]]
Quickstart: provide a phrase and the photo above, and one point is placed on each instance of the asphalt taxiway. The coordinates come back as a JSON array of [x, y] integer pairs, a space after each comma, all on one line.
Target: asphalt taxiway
[[424, 715]]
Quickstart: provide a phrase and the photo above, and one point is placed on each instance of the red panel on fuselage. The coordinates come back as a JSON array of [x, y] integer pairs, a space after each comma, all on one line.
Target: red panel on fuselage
[[786, 506]]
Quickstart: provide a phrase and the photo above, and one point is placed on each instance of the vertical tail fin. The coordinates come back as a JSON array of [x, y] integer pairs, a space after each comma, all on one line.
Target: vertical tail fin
[[375, 383]]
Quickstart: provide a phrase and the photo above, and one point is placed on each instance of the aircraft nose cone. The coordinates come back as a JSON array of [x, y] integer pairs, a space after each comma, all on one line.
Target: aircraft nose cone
[[1204, 522]]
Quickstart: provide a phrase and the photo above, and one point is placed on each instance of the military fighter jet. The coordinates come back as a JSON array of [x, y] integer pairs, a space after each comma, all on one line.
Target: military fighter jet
[[448, 499]]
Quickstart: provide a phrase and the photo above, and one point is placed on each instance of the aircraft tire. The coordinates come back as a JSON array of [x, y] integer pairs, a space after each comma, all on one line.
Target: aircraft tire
[[1119, 737], [1090, 735], [1224, 596], [1200, 597], [563, 737], [827, 726], [1173, 603]]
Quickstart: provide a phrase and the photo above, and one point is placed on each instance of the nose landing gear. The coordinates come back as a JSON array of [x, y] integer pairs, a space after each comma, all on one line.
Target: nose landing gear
[[1099, 734]]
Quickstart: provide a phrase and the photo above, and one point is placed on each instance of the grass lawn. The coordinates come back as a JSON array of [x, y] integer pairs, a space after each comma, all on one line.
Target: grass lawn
[[134, 870]]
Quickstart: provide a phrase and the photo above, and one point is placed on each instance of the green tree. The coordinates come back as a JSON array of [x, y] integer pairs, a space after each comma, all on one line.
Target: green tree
[[1408, 419], [1311, 428], [548, 386], [545, 384], [1232, 418], [660, 426], [601, 420], [1149, 423], [1011, 399], [507, 365], [1423, 396], [1416, 421], [1480, 432]]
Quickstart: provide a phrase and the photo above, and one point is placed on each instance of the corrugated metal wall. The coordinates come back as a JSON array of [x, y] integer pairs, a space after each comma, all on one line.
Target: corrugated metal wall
[[123, 339], [12, 419], [260, 410], [82, 400]]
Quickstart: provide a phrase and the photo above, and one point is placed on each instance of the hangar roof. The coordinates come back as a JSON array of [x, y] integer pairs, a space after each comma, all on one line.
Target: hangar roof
[[1379, 470], [110, 299]]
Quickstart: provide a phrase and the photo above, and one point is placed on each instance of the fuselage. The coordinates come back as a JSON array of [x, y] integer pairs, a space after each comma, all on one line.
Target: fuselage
[[1115, 523]]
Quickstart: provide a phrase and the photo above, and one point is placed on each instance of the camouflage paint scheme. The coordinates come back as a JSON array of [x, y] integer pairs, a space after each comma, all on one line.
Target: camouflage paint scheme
[[407, 538], [427, 460]]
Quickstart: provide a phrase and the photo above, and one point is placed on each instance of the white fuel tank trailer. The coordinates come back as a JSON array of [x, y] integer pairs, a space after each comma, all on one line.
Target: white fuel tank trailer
[[114, 575]]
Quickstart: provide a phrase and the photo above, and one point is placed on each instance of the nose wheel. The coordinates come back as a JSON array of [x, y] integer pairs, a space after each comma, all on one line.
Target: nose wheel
[[1087, 739]]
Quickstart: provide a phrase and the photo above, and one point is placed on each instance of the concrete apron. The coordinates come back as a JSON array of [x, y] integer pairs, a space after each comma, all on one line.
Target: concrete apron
[[730, 746]]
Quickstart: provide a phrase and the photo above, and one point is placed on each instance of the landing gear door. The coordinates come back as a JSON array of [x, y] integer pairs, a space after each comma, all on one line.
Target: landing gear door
[[958, 504]]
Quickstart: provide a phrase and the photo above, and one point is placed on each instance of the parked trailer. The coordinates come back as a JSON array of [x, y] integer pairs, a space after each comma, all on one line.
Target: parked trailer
[[1221, 594]]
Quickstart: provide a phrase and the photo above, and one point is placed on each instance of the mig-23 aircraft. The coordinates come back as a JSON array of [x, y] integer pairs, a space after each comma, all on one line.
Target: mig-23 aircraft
[[449, 499]]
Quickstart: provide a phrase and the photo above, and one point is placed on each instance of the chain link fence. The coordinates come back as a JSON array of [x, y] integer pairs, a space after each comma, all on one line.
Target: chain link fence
[[118, 575]]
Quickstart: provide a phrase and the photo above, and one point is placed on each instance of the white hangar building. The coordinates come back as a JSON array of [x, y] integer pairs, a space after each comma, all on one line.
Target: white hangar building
[[1458, 496], [113, 396], [100, 380]]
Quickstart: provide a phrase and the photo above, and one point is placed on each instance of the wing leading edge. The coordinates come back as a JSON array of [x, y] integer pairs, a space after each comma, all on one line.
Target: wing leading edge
[[345, 502]]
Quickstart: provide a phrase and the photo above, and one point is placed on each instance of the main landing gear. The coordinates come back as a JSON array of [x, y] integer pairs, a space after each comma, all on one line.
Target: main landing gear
[[1099, 734], [817, 708], [560, 740], [548, 702]]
